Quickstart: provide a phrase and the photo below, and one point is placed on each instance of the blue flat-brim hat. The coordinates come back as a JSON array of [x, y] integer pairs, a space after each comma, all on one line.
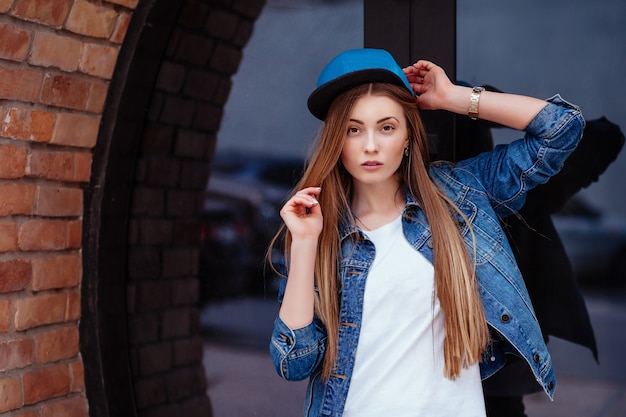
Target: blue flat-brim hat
[[350, 69]]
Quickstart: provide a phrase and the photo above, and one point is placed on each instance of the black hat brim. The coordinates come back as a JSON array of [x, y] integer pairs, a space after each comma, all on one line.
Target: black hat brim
[[320, 100]]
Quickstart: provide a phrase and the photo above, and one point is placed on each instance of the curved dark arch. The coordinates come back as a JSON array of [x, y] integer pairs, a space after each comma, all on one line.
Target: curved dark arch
[[103, 325]]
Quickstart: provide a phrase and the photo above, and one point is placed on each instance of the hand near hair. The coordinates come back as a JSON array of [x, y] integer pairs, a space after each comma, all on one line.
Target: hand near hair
[[303, 217], [302, 214], [430, 83], [435, 91]]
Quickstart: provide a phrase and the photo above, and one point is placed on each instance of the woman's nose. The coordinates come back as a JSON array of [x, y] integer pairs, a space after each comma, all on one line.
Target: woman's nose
[[371, 145]]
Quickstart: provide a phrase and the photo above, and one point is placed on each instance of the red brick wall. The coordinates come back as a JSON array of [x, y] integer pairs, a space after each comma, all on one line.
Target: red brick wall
[[57, 60], [172, 171]]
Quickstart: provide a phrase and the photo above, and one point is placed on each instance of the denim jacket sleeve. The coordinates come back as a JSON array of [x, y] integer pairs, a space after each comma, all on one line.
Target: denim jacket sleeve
[[509, 171], [297, 353]]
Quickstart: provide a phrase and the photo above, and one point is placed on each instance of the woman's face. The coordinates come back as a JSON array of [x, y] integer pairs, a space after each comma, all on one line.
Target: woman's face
[[376, 136]]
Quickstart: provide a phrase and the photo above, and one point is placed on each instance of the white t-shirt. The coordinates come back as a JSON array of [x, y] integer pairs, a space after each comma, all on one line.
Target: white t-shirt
[[399, 362]]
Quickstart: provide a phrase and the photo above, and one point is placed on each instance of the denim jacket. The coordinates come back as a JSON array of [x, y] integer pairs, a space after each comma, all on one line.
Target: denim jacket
[[486, 187]]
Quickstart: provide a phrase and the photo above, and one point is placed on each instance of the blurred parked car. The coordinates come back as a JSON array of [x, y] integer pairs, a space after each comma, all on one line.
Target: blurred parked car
[[241, 215], [594, 241], [227, 241]]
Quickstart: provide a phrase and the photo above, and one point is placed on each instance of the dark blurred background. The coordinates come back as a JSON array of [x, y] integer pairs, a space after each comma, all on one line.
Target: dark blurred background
[[532, 47]]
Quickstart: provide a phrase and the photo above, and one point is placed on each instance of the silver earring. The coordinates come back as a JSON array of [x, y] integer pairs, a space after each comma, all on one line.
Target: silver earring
[[406, 151]]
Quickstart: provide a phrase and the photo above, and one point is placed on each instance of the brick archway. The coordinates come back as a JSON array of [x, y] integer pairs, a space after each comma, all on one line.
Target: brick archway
[[110, 110]]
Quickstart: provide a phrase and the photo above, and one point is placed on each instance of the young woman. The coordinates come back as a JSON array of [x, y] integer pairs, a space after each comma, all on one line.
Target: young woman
[[401, 289]]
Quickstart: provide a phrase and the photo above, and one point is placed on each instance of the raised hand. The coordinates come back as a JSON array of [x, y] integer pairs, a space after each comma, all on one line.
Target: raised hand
[[430, 83], [302, 214]]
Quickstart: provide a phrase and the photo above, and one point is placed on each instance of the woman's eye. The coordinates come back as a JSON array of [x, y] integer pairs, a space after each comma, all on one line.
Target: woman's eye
[[388, 128], [353, 130]]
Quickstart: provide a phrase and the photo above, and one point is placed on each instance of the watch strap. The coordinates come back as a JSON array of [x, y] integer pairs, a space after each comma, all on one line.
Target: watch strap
[[472, 111]]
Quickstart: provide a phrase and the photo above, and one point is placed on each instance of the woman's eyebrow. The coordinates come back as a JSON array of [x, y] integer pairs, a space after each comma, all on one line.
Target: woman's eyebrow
[[384, 119]]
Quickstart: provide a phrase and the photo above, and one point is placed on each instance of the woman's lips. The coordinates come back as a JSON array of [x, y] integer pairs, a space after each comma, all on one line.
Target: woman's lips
[[371, 165]]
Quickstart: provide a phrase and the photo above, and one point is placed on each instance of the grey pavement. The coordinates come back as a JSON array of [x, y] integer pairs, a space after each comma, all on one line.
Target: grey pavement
[[242, 381], [584, 387]]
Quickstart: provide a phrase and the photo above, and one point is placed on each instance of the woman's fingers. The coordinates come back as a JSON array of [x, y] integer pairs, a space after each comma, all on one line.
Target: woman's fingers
[[302, 214], [308, 195], [418, 75], [303, 200], [302, 204]]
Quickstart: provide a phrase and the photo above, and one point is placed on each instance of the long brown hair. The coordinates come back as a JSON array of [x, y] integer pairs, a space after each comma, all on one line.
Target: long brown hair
[[466, 333]]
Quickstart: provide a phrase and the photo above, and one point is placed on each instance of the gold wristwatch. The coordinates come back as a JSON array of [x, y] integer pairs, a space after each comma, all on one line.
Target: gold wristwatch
[[472, 112]]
